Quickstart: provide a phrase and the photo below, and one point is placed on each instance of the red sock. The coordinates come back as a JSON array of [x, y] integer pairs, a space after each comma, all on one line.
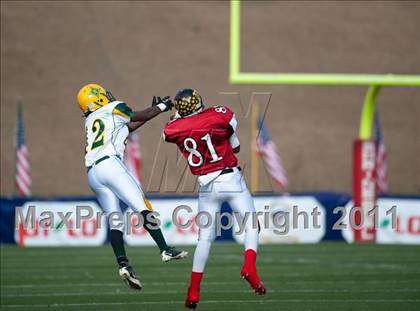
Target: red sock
[[195, 279], [250, 256]]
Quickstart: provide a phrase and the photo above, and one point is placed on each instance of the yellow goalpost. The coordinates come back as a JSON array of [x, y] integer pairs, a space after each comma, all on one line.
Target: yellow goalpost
[[364, 174]]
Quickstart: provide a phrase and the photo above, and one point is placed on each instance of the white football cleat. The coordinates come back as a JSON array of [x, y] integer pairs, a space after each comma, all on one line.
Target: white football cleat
[[129, 277], [172, 254]]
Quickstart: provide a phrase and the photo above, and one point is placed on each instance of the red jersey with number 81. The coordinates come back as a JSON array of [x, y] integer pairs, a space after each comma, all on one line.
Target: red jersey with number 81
[[203, 139]]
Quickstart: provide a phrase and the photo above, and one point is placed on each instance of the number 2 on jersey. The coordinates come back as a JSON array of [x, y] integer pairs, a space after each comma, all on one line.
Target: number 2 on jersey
[[191, 146], [98, 127]]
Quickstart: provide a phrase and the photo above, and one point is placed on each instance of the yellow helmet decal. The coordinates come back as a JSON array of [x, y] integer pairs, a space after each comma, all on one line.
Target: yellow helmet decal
[[188, 101]]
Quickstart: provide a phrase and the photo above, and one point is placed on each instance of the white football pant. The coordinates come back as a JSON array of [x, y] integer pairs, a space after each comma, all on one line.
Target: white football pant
[[229, 188], [112, 181]]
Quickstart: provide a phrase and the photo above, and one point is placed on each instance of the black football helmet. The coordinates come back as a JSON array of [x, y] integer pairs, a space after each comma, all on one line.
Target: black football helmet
[[188, 101]]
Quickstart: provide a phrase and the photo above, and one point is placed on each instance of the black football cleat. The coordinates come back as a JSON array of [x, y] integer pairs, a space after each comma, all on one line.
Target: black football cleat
[[172, 254], [129, 277]]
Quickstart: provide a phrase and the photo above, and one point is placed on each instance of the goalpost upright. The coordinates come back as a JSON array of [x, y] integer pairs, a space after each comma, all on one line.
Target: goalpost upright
[[364, 182]]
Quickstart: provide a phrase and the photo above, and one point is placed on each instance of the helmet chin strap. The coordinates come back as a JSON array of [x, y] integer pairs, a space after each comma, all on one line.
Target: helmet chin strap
[[91, 106], [201, 108], [108, 95]]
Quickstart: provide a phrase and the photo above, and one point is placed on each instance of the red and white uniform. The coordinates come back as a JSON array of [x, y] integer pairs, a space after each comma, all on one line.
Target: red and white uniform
[[206, 140]]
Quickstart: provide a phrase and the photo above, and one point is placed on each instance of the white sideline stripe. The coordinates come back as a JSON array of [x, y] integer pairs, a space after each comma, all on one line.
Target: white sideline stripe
[[261, 301], [145, 292], [207, 283]]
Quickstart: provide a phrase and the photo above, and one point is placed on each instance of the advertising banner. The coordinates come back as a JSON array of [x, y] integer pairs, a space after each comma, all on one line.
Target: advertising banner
[[297, 218], [173, 234], [53, 223], [288, 219], [397, 221]]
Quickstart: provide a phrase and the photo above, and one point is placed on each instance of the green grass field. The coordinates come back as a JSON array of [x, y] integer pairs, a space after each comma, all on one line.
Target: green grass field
[[328, 276]]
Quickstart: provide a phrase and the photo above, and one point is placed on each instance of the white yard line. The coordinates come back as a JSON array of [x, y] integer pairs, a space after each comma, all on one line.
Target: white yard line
[[279, 276], [146, 292], [262, 301], [206, 283]]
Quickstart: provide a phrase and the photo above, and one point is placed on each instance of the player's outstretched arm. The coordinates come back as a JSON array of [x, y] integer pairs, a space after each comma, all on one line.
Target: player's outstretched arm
[[158, 106], [132, 126]]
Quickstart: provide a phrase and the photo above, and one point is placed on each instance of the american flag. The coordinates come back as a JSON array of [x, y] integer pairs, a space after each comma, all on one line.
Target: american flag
[[133, 155], [381, 167], [23, 170], [267, 149]]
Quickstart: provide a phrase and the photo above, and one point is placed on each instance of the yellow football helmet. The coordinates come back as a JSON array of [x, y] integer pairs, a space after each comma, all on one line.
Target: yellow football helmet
[[92, 97]]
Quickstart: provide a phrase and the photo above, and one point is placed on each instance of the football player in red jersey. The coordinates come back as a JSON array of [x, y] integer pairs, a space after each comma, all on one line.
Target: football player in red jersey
[[207, 140]]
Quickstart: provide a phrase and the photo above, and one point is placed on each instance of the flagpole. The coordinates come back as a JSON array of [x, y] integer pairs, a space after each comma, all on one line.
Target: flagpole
[[254, 149]]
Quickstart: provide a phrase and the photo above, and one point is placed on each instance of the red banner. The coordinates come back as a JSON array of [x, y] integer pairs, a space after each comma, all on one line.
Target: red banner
[[364, 190]]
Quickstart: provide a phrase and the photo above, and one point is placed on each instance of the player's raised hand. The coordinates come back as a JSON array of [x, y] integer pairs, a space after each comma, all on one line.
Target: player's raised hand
[[164, 103], [159, 105]]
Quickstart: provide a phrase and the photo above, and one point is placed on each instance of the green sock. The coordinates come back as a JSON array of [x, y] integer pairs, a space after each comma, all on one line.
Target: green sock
[[117, 243], [154, 232]]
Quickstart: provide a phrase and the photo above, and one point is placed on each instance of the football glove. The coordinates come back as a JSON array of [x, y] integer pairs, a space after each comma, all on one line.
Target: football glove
[[165, 103]]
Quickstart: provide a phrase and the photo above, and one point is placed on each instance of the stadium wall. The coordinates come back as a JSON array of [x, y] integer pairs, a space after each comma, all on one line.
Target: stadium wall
[[404, 228], [50, 49]]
